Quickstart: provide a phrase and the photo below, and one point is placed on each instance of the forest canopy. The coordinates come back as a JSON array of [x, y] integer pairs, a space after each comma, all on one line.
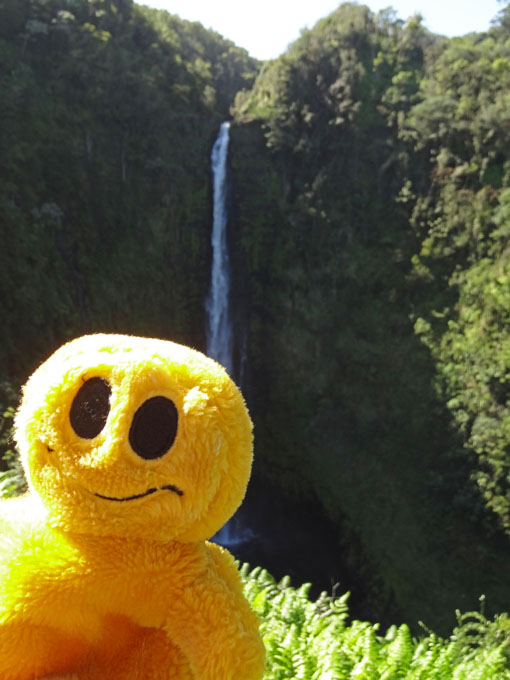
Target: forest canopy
[[108, 111], [370, 197], [380, 261]]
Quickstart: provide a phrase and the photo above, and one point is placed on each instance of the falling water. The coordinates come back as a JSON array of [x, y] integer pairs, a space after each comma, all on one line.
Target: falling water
[[219, 334], [219, 323]]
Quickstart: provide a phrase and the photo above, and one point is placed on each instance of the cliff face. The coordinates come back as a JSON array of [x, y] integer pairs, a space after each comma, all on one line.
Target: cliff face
[[340, 415], [349, 414], [108, 114], [370, 200]]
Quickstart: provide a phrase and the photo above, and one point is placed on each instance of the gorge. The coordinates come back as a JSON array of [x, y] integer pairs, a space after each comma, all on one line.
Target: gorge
[[369, 268]]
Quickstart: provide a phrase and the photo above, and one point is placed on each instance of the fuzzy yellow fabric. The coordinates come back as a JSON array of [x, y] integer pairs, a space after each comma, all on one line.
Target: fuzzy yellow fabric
[[136, 451]]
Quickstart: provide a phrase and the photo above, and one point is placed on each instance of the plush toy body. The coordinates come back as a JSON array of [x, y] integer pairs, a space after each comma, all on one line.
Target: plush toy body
[[136, 451]]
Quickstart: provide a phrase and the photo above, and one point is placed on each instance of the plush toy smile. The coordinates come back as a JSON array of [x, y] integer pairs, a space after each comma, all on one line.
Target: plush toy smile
[[170, 487], [136, 451]]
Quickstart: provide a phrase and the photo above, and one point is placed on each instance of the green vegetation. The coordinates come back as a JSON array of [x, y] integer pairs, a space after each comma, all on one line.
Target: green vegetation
[[371, 193], [372, 183], [108, 112], [12, 478], [462, 263], [314, 641]]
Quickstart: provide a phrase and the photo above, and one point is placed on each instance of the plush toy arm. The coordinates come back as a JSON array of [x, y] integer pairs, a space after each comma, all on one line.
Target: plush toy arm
[[218, 631]]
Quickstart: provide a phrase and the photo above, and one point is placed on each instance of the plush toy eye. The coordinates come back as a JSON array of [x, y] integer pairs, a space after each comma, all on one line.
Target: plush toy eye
[[154, 428], [90, 408]]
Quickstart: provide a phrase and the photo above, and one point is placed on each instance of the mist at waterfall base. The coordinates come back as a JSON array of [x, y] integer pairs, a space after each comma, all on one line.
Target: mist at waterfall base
[[286, 538]]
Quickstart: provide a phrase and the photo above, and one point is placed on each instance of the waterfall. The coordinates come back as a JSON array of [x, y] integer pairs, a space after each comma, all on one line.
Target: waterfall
[[219, 336], [219, 331]]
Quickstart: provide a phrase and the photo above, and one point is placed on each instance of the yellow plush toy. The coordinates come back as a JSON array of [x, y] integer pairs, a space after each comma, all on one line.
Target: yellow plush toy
[[136, 451]]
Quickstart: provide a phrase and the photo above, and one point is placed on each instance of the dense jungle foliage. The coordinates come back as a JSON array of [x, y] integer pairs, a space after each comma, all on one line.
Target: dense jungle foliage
[[371, 200], [313, 640], [108, 111], [371, 172]]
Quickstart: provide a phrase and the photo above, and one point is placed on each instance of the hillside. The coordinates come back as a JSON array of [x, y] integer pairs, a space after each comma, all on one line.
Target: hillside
[[371, 170], [370, 194], [108, 112]]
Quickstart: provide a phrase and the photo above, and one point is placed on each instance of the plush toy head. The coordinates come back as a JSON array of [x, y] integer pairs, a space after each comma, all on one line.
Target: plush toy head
[[135, 437]]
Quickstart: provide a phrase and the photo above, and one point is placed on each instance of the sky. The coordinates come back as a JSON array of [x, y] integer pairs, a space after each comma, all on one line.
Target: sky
[[266, 27]]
